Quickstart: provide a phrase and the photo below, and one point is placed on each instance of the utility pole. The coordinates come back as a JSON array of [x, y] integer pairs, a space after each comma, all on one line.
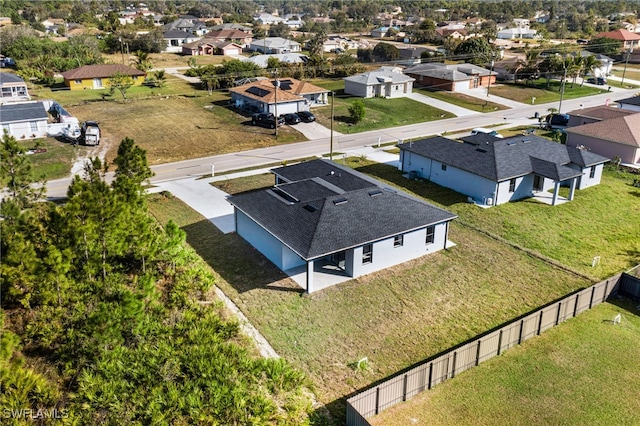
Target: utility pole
[[331, 138], [629, 51], [562, 88], [490, 75], [276, 85]]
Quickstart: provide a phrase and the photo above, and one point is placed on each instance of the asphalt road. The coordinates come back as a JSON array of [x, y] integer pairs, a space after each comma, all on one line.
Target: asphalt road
[[259, 157]]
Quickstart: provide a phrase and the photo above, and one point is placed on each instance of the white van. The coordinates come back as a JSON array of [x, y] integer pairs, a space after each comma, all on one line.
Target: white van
[[487, 132]]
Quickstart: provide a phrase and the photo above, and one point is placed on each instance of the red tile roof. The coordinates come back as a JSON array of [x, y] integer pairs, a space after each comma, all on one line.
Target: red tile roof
[[100, 71], [621, 34]]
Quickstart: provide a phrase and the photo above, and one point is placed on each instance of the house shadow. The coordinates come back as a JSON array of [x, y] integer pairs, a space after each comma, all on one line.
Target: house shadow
[[236, 261], [424, 188]]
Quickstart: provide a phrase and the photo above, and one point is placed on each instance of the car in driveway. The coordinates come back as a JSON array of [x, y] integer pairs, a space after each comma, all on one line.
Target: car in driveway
[[291, 118], [307, 116], [556, 121], [597, 80], [266, 120]]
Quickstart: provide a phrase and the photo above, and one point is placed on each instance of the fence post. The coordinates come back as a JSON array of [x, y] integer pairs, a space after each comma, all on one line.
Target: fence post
[[540, 321], [404, 388], [575, 308], [377, 400], [521, 329], [478, 353], [430, 375], [593, 292], [500, 342], [558, 315], [453, 369], [606, 287]]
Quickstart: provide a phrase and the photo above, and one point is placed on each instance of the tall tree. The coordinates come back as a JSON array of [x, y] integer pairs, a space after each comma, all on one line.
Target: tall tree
[[385, 52], [476, 50], [132, 170], [16, 173]]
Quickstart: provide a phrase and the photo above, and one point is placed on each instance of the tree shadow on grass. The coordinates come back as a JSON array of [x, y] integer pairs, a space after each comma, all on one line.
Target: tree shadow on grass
[[424, 188], [237, 263]]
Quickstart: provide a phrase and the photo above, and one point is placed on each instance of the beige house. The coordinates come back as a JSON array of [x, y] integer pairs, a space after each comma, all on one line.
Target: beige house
[[616, 137]]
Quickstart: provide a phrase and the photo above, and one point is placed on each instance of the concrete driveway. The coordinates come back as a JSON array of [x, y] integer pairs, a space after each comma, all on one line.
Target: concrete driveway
[[314, 130]]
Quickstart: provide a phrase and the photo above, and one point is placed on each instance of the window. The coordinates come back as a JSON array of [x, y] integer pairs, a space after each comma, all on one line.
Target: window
[[431, 235], [512, 185], [78, 81], [367, 253], [443, 167], [34, 126], [592, 172], [398, 240]]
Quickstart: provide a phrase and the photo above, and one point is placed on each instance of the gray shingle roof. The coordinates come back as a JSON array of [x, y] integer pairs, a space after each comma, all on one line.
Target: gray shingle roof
[[7, 77], [380, 76], [451, 72], [324, 217], [634, 100], [11, 113], [503, 159]]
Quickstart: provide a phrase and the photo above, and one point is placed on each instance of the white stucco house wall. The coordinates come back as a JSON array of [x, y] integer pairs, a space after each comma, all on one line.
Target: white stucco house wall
[[387, 82], [274, 45], [325, 219], [26, 120], [494, 171], [517, 33]]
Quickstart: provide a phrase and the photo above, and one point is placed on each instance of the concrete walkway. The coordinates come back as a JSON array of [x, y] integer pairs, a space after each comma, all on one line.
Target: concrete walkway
[[446, 106]]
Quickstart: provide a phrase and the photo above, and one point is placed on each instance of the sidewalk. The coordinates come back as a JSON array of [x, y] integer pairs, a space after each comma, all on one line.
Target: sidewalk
[[446, 106]]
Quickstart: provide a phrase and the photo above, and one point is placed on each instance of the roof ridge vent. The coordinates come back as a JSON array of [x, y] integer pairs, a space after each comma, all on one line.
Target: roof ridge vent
[[339, 201]]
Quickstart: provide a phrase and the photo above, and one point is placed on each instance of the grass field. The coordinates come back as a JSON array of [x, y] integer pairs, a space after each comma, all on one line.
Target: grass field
[[603, 220], [462, 100], [394, 317], [522, 93], [632, 74], [56, 162], [380, 113], [583, 372]]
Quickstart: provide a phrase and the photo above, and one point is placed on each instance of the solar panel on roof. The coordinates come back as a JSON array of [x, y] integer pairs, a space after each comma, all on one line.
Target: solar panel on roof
[[286, 84], [258, 91]]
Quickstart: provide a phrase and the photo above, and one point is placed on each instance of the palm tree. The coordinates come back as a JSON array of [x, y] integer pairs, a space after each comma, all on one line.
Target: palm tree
[[210, 81], [160, 77], [589, 64], [142, 61]]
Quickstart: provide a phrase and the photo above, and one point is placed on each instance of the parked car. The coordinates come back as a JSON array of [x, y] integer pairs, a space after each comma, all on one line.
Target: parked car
[[556, 121], [482, 130], [306, 116], [597, 80], [291, 118], [266, 120]]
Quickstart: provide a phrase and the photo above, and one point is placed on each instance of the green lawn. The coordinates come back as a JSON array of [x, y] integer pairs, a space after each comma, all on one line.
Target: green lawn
[[462, 100], [380, 112], [632, 74], [57, 161], [522, 93], [583, 372], [603, 220], [395, 317]]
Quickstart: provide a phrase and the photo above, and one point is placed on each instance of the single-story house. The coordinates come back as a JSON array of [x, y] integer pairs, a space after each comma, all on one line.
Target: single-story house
[[627, 38], [606, 63], [176, 38], [387, 82], [631, 104], [453, 77], [12, 88], [287, 58], [274, 45], [97, 76], [381, 32], [455, 33], [26, 120], [497, 171], [517, 33], [616, 137], [211, 47], [243, 38], [267, 19], [322, 219], [582, 116], [291, 96]]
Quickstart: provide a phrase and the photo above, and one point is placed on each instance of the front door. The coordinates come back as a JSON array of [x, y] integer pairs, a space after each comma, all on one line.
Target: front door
[[538, 183], [97, 83], [338, 259]]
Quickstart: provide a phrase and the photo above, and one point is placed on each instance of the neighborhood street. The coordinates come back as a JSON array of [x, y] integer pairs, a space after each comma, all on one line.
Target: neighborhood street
[[341, 143]]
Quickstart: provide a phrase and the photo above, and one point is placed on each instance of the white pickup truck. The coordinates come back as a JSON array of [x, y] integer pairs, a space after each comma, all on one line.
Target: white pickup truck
[[91, 133]]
